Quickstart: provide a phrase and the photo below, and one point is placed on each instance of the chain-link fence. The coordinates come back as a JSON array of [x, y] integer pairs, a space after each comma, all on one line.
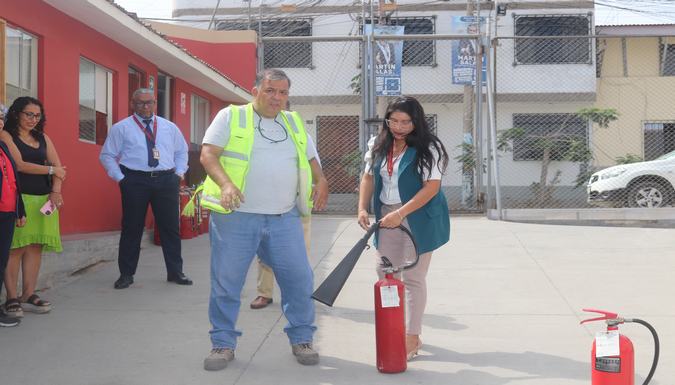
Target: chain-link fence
[[584, 122], [580, 121], [326, 89]]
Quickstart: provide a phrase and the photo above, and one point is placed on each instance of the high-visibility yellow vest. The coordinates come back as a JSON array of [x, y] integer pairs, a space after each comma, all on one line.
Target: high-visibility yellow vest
[[237, 153]]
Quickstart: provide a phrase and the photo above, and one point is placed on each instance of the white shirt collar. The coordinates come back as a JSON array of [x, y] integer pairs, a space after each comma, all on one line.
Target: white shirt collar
[[140, 118]]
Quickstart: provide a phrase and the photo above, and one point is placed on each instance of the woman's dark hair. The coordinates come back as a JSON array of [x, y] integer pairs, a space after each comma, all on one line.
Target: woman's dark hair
[[421, 138], [12, 117]]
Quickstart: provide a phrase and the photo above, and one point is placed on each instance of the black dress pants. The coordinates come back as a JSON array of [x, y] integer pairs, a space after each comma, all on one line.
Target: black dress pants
[[160, 190], [7, 221]]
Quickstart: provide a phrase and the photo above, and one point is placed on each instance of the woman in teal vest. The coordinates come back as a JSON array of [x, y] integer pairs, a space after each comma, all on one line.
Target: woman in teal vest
[[404, 167]]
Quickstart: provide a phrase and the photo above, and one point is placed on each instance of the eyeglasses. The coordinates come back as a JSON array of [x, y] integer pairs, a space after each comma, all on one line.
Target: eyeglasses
[[31, 115], [398, 123], [148, 103]]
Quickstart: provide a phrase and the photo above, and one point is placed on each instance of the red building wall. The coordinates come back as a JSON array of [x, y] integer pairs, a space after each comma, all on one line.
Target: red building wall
[[237, 60], [92, 201], [181, 119]]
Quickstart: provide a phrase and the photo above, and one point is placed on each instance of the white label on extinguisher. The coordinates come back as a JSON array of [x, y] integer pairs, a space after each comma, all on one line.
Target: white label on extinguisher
[[607, 343], [389, 296]]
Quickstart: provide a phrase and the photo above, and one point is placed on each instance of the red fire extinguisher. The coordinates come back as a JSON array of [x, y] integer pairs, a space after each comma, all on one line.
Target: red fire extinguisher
[[612, 354], [389, 302], [186, 222], [390, 316], [390, 322]]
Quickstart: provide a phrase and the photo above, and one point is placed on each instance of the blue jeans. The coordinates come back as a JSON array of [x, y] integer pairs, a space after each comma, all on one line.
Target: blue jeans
[[279, 242]]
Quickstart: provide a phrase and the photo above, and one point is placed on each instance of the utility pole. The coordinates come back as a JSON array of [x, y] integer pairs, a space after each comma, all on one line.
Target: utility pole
[[381, 104], [478, 123], [467, 125], [213, 17], [261, 47], [249, 13]]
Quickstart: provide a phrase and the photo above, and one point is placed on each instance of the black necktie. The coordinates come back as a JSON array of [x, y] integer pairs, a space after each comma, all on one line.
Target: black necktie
[[152, 162]]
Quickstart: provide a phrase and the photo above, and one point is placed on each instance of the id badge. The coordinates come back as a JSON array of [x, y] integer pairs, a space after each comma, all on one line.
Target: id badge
[[155, 153]]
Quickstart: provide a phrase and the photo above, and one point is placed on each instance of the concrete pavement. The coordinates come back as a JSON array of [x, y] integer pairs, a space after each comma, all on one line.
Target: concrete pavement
[[504, 307]]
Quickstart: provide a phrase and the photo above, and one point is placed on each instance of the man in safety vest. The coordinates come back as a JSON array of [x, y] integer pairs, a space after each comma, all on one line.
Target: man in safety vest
[[260, 164]]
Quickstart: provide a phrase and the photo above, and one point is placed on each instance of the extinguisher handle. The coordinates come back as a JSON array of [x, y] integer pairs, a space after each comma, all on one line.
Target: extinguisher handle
[[605, 315]]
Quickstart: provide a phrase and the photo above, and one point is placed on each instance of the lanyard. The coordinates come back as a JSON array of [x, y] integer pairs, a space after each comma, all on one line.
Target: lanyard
[[5, 172], [391, 160], [151, 138]]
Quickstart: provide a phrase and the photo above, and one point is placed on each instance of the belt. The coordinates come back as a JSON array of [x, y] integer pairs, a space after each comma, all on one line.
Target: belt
[[151, 174]]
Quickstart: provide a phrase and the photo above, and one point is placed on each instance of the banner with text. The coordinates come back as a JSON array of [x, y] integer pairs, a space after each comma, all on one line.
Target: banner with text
[[387, 60], [464, 50]]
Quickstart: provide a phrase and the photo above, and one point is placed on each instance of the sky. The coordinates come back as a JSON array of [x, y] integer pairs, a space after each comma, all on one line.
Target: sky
[[607, 11], [148, 8]]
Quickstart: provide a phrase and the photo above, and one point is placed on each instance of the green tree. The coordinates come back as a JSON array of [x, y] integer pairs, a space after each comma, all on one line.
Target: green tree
[[557, 141], [355, 84], [628, 158]]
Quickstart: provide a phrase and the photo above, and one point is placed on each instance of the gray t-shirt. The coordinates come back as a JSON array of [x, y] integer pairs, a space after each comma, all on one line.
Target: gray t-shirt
[[272, 179]]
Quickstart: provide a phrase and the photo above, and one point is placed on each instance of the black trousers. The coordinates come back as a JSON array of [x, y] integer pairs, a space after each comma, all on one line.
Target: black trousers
[[7, 221], [160, 190]]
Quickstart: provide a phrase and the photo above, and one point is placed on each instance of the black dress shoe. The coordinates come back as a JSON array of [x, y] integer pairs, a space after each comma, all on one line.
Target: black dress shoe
[[179, 278], [124, 281]]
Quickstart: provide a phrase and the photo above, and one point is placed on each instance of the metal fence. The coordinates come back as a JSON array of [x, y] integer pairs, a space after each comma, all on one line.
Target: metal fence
[[565, 116], [573, 112], [332, 88]]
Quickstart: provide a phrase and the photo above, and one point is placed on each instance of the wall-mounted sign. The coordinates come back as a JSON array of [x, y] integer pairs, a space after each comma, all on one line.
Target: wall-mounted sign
[[183, 102]]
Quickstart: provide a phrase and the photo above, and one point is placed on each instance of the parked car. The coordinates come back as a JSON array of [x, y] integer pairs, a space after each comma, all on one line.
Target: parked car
[[641, 184]]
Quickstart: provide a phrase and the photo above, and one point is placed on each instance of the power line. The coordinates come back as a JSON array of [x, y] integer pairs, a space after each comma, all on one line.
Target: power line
[[660, 10]]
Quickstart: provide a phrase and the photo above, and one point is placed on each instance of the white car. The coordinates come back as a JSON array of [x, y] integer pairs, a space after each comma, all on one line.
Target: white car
[[642, 184]]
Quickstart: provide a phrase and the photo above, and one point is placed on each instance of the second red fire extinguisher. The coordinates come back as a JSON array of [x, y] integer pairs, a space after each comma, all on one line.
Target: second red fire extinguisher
[[612, 354]]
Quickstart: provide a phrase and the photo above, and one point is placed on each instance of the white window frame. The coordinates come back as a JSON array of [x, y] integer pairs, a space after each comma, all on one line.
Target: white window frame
[[293, 54], [199, 122], [97, 94], [666, 58], [166, 99], [653, 126], [523, 148], [21, 63], [555, 43]]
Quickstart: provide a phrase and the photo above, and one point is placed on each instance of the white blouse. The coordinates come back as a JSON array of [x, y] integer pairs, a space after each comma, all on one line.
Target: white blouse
[[390, 194]]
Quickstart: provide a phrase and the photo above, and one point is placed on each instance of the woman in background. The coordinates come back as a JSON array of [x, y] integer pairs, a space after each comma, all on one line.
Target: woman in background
[[40, 177], [12, 212]]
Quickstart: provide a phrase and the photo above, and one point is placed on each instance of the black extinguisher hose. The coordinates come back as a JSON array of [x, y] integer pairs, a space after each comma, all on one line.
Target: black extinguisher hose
[[656, 347]]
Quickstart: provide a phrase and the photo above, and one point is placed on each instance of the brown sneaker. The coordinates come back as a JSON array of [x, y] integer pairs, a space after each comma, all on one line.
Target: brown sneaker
[[305, 354], [218, 358], [260, 302]]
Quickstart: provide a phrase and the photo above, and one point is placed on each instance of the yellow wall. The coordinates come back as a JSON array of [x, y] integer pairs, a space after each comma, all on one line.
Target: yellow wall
[[640, 97]]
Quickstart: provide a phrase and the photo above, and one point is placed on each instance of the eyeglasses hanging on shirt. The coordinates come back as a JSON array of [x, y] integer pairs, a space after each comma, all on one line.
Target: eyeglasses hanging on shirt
[[262, 133]]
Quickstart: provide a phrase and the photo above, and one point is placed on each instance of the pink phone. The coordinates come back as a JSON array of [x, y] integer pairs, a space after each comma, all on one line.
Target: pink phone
[[48, 208]]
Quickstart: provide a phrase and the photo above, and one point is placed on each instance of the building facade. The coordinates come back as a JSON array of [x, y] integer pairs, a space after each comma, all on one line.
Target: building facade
[[538, 82], [83, 60], [636, 76]]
